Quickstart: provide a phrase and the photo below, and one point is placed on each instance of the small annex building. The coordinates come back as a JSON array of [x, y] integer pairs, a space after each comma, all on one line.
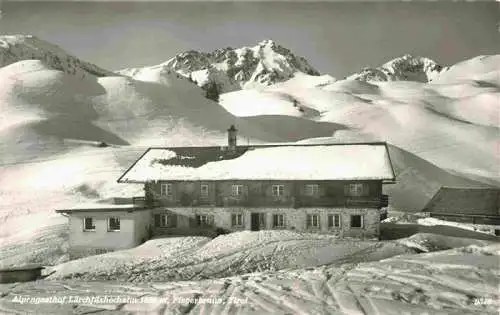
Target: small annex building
[[479, 205]]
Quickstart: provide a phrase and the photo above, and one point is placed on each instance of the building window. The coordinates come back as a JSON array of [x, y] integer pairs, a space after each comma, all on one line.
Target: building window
[[237, 190], [113, 224], [237, 219], [166, 190], [278, 190], [88, 224], [312, 190], [204, 190], [356, 221], [166, 220], [334, 220], [279, 220], [203, 220], [312, 221], [357, 189]]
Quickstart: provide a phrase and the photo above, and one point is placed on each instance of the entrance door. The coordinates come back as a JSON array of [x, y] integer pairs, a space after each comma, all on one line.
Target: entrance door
[[254, 221]]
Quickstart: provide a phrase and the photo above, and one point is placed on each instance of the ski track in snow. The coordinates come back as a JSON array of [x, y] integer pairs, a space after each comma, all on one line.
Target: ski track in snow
[[409, 283]]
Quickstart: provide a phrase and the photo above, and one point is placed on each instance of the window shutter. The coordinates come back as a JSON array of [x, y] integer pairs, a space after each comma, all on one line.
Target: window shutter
[[330, 220], [346, 190], [308, 220], [157, 220], [366, 190], [173, 220], [210, 219], [262, 219]]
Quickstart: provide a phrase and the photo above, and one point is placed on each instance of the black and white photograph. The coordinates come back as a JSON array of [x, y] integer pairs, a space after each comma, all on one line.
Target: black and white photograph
[[249, 157]]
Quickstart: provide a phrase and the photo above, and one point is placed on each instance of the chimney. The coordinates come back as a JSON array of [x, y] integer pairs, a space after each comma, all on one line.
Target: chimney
[[232, 135]]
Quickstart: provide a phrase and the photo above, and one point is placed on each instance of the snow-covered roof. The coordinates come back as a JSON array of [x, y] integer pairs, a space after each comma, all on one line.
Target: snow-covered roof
[[101, 207], [364, 161], [465, 200]]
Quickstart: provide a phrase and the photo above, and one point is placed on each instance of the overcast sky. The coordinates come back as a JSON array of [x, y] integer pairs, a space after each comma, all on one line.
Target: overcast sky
[[337, 38]]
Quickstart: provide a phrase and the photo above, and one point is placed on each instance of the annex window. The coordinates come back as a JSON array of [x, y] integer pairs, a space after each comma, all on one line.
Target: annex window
[[204, 190], [165, 220], [356, 221], [237, 219], [312, 190], [278, 190], [204, 220], [88, 224], [166, 190], [113, 224], [357, 190], [312, 221], [334, 220], [237, 190], [278, 220]]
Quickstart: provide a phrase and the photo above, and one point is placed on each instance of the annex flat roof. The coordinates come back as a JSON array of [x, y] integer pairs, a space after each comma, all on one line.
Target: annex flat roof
[[347, 161], [22, 268], [101, 207]]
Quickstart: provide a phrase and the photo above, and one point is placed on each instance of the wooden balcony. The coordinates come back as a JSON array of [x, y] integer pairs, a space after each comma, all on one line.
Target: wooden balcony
[[260, 201]]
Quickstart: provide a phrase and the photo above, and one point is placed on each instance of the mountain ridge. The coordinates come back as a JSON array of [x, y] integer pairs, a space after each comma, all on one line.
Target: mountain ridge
[[403, 68], [14, 48], [233, 69]]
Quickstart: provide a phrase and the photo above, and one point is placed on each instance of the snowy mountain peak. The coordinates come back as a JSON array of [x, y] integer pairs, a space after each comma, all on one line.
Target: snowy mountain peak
[[267, 42], [404, 68], [232, 69], [14, 48]]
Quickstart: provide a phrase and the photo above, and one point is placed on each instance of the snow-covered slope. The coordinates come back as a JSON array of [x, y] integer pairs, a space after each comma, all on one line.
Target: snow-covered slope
[[404, 68], [483, 69], [41, 108], [456, 281], [14, 48], [441, 122], [418, 180], [232, 69]]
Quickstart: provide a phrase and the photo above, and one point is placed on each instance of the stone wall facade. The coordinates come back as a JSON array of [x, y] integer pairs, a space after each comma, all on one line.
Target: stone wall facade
[[294, 219]]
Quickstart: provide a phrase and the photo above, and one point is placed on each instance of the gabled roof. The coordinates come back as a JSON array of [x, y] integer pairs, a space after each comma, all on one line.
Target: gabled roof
[[352, 161], [465, 200]]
